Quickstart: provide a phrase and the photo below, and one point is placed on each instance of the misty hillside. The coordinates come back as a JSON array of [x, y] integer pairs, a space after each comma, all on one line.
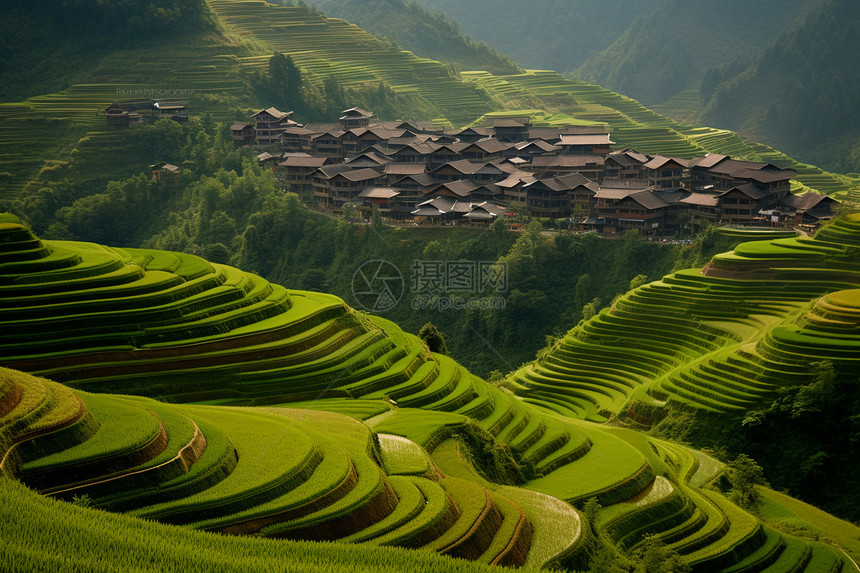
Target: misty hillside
[[545, 34], [801, 93], [431, 35]]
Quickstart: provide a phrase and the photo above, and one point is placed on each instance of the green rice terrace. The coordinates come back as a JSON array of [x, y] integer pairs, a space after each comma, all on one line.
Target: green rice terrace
[[206, 400], [722, 338], [55, 136]]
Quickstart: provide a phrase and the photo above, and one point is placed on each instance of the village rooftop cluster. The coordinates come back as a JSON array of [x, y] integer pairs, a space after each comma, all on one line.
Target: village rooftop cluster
[[417, 171]]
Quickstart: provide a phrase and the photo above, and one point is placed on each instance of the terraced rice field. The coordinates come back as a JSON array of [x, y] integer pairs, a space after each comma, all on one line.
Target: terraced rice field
[[396, 467], [722, 338]]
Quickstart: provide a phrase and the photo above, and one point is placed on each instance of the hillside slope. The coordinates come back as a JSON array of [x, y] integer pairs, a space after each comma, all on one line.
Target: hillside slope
[[738, 346], [662, 52], [371, 415], [812, 69], [63, 138], [414, 28], [556, 34]]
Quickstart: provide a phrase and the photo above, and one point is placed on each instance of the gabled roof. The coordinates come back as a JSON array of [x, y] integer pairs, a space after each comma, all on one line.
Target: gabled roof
[[661, 161], [539, 144], [460, 188], [709, 160], [551, 183], [425, 148], [485, 145], [482, 131], [299, 161], [377, 131], [240, 126], [359, 174], [511, 122], [765, 175], [516, 178], [546, 133], [372, 192], [466, 167], [628, 157], [439, 203], [701, 199], [336, 133], [368, 157], [485, 210], [405, 168], [749, 190], [421, 179], [808, 201], [329, 171], [297, 130], [617, 193], [356, 112], [648, 199], [274, 112], [574, 180], [265, 156], [734, 167], [491, 188]]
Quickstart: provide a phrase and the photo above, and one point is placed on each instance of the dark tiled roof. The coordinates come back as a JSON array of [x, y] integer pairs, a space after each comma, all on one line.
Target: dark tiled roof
[[547, 161]]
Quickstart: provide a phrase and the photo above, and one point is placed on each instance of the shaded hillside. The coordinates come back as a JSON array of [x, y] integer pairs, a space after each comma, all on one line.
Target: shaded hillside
[[668, 47], [801, 92], [427, 34], [48, 44], [545, 34]]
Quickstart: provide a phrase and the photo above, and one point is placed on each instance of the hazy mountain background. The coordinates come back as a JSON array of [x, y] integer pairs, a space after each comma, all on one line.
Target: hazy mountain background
[[781, 71]]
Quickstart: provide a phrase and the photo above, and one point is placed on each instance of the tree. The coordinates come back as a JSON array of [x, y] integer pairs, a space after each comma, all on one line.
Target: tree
[[744, 474], [433, 338], [638, 281], [653, 556]]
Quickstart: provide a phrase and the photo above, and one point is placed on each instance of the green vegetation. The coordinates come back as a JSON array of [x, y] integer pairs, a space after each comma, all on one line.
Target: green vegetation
[[203, 331]]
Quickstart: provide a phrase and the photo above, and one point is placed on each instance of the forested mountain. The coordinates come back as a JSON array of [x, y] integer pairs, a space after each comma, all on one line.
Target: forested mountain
[[668, 47], [543, 34], [428, 34], [719, 64], [800, 94], [47, 44]]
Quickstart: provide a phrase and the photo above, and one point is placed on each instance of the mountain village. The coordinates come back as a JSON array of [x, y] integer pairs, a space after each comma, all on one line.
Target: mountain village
[[417, 172]]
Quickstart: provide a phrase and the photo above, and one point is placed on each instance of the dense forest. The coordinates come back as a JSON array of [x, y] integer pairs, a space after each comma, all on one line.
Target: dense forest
[[47, 44], [786, 74], [813, 70]]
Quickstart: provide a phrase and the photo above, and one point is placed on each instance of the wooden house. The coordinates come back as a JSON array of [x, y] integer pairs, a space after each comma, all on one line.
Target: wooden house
[[165, 173], [243, 134], [742, 204], [298, 169], [176, 112], [664, 172], [511, 130], [269, 125], [355, 117], [585, 144], [625, 164]]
